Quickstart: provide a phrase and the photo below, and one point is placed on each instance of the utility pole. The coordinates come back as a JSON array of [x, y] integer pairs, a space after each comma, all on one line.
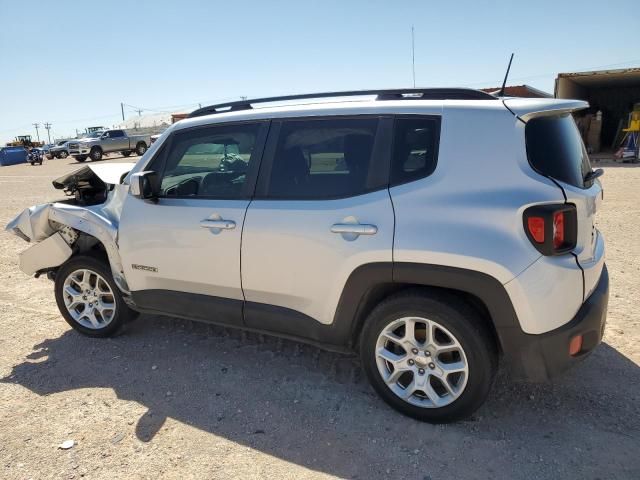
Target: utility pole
[[122, 110], [47, 125], [139, 112], [37, 132], [413, 56]]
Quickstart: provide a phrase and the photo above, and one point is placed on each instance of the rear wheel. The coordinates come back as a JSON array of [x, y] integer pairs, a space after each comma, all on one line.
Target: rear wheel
[[96, 153], [141, 147], [88, 297], [428, 355], [64, 154]]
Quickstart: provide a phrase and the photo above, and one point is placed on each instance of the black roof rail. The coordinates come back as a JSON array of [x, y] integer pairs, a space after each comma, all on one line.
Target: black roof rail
[[393, 94]]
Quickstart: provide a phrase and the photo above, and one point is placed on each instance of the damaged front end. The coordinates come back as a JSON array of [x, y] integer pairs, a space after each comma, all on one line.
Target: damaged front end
[[86, 222]]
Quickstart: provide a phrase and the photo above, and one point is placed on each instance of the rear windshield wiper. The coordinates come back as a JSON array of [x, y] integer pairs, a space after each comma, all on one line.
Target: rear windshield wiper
[[593, 174]]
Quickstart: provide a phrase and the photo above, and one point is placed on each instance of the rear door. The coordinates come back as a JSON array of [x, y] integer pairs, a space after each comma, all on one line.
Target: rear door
[[181, 254], [322, 208], [555, 149]]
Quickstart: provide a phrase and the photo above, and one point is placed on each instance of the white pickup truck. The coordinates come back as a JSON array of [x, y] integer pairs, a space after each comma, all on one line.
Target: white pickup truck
[[109, 142]]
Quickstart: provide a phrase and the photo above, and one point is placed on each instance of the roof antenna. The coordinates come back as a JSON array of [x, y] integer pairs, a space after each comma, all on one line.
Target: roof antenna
[[506, 75]]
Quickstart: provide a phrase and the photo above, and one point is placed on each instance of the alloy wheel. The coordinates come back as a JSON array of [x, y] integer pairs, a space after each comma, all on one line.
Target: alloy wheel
[[89, 299], [421, 362]]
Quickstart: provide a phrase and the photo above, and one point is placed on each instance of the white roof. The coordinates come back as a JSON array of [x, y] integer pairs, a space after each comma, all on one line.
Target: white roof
[[521, 106]]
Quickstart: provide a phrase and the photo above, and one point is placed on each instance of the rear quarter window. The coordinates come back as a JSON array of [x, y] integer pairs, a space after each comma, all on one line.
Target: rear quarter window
[[555, 149]]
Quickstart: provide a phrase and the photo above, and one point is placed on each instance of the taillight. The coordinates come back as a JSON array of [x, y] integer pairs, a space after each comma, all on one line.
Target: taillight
[[558, 229], [536, 228], [552, 229]]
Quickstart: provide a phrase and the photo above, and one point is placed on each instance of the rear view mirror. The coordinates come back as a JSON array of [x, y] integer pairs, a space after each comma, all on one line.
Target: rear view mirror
[[142, 185]]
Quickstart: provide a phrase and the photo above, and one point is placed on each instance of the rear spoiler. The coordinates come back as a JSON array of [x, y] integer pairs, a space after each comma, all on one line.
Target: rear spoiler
[[527, 108]]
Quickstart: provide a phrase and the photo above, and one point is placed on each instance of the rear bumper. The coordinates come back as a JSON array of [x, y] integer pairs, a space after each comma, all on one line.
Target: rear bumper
[[543, 356]]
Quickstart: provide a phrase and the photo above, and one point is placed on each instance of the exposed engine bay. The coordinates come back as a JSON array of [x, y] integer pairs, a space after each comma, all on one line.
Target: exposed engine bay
[[90, 184]]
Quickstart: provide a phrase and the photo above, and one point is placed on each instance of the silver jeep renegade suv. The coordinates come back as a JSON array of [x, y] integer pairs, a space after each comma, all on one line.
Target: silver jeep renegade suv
[[433, 231]]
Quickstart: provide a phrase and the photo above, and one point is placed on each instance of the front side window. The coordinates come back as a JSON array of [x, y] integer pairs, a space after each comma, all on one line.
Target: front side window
[[415, 148], [209, 162], [326, 158]]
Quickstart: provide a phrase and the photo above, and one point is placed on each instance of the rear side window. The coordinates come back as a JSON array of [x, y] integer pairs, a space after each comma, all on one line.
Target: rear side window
[[415, 149], [322, 159], [555, 149]]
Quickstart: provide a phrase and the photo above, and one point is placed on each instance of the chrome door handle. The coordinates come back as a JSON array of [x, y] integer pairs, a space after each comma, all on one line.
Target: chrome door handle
[[219, 224], [354, 228]]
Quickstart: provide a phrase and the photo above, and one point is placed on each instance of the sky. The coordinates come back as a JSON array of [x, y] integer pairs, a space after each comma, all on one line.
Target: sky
[[72, 63]]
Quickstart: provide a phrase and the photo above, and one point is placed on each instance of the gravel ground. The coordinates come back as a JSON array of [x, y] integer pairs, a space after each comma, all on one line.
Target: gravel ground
[[174, 399]]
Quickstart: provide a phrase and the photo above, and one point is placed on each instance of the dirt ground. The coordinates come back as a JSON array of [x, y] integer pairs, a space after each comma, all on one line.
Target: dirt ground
[[175, 399]]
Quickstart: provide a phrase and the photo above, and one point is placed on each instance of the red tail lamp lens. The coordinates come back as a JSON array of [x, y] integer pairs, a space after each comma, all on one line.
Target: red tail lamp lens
[[536, 228], [558, 229]]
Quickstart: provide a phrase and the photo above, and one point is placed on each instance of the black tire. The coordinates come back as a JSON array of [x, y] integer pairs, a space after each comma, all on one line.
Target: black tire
[[96, 154], [463, 321], [126, 154], [64, 154], [141, 147], [123, 313], [80, 158]]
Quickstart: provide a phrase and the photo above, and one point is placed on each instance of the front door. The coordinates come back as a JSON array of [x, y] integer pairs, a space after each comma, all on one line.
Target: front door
[[181, 255]]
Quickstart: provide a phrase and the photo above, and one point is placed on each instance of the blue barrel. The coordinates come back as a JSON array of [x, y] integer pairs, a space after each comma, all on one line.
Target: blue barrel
[[12, 156]]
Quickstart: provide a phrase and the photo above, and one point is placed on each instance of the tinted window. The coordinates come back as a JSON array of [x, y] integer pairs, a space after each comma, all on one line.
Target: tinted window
[[415, 147], [209, 162], [555, 149], [116, 133], [322, 158]]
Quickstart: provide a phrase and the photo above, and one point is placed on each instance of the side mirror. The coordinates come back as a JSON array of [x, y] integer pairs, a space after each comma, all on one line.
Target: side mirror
[[143, 185]]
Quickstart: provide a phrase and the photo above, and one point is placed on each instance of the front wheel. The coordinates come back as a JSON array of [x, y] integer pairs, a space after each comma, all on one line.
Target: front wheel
[[96, 154], [88, 297], [80, 158], [126, 154], [429, 355]]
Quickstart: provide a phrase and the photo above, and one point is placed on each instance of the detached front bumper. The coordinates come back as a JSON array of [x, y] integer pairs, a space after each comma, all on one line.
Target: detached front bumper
[[543, 356]]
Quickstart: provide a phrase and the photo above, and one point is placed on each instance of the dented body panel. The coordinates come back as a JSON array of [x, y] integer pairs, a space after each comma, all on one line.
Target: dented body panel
[[78, 227]]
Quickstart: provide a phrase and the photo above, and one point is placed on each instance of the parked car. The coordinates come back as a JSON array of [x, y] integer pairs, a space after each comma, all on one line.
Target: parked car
[[109, 142], [433, 231], [60, 150], [46, 150]]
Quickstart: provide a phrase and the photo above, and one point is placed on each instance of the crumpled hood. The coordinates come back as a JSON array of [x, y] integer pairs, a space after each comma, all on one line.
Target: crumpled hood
[[109, 173]]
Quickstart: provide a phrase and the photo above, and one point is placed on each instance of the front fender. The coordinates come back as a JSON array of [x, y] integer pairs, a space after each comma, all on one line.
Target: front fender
[[39, 223]]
